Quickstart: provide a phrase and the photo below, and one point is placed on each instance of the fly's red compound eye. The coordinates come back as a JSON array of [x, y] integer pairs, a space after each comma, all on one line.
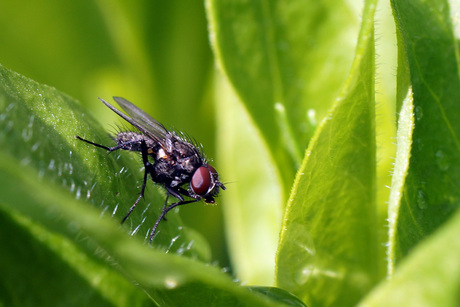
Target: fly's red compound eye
[[201, 180], [211, 169]]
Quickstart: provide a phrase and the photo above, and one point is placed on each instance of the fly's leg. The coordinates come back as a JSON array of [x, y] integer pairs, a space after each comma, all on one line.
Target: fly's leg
[[173, 192], [176, 192], [147, 170], [164, 205], [166, 210], [145, 160], [110, 149]]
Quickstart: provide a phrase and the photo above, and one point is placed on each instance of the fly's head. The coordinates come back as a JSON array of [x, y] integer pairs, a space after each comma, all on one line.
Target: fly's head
[[205, 183]]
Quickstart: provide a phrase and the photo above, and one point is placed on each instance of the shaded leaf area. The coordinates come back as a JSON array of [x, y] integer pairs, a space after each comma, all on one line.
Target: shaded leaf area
[[328, 252], [431, 191], [428, 276], [199, 294], [44, 180], [281, 60], [41, 269], [279, 295]]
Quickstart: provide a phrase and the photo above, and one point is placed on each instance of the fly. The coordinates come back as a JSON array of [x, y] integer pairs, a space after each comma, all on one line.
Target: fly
[[169, 158]]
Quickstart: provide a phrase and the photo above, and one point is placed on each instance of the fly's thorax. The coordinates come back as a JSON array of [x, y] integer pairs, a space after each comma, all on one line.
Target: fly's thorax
[[187, 156], [176, 161]]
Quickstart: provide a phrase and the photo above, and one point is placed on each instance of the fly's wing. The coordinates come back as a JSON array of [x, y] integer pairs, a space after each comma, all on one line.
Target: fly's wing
[[141, 120], [153, 127]]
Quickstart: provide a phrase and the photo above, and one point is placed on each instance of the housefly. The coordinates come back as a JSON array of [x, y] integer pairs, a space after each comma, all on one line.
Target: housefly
[[170, 158]]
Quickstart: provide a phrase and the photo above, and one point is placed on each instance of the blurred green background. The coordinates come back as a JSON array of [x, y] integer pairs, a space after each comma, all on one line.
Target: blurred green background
[[154, 53]]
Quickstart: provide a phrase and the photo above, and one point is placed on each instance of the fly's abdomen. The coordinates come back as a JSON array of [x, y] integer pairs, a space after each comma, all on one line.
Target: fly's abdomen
[[132, 141]]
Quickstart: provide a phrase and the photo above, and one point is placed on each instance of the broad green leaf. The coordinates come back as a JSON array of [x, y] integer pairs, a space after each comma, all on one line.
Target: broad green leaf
[[252, 202], [282, 59], [170, 280], [48, 181], [328, 253], [431, 186], [428, 276]]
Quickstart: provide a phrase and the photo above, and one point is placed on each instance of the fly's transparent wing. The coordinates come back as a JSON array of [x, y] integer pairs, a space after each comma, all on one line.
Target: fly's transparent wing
[[141, 120], [122, 115], [148, 123]]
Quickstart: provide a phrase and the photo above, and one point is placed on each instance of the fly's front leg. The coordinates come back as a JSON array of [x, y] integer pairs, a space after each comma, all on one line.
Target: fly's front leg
[[173, 192], [177, 192], [164, 205], [163, 213], [147, 170]]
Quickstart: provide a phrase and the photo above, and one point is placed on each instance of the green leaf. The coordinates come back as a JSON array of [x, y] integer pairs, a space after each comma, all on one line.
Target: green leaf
[[48, 181], [169, 279], [282, 60], [252, 202], [428, 193], [429, 276], [328, 253]]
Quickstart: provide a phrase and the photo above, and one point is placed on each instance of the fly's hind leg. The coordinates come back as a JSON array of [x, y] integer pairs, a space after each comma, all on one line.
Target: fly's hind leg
[[147, 170], [176, 192], [99, 145]]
